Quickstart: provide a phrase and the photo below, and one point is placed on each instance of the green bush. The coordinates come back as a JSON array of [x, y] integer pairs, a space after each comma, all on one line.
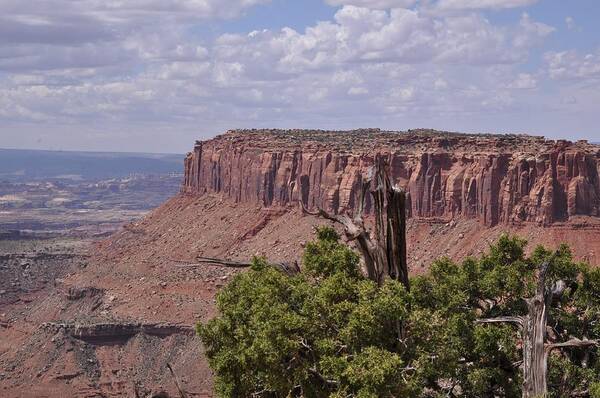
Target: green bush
[[331, 332]]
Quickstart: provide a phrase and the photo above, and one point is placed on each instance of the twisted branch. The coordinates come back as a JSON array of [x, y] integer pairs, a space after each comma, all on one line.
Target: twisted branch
[[574, 343], [503, 319], [290, 268], [384, 254]]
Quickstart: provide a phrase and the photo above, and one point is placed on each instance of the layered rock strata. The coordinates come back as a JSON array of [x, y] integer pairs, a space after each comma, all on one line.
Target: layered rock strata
[[493, 178]]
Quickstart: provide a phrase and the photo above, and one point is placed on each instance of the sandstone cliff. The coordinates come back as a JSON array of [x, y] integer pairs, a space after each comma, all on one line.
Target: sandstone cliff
[[492, 178]]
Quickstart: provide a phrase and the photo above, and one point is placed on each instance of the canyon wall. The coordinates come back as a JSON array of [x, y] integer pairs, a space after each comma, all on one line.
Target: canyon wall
[[493, 178]]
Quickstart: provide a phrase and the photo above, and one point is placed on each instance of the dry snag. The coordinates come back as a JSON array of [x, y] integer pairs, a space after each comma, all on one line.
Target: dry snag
[[536, 345], [287, 268], [384, 253]]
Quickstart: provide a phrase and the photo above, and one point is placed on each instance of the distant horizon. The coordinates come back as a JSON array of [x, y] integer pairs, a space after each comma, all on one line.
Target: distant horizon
[[34, 164], [208, 137], [92, 152]]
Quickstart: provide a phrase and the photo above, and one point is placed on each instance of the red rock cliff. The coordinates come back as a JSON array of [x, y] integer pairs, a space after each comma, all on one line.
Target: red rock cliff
[[494, 178]]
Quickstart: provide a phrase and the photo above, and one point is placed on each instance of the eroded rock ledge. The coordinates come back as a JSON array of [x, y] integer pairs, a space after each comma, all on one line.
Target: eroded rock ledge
[[494, 178]]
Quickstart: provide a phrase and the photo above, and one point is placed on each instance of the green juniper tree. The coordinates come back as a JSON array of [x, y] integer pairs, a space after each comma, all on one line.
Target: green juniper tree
[[552, 301], [329, 331]]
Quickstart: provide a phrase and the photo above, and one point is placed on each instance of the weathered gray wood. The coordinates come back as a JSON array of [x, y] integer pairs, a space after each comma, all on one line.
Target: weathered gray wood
[[533, 326], [384, 253], [287, 268], [503, 319]]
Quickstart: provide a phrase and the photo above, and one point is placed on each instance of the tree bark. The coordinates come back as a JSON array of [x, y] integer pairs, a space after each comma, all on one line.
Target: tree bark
[[384, 253], [535, 356], [533, 333], [536, 348]]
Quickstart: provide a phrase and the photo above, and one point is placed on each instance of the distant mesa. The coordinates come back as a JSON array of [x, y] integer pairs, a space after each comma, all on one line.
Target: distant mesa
[[493, 178]]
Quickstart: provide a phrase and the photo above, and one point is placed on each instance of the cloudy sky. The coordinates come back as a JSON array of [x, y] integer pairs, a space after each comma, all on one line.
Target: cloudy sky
[[154, 75]]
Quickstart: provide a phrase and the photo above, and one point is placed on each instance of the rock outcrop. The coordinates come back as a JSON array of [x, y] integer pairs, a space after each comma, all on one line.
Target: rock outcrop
[[493, 178], [116, 331]]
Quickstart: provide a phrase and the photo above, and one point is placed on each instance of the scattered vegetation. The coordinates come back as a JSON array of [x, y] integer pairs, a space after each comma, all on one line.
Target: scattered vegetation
[[329, 331]]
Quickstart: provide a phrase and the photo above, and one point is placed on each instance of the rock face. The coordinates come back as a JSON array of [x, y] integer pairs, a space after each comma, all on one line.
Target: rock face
[[493, 178]]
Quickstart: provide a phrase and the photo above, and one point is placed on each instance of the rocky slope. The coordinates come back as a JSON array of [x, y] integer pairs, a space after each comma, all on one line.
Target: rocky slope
[[492, 178], [109, 327]]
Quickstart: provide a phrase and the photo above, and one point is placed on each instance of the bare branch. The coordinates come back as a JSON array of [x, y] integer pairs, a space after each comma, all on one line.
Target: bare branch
[[351, 229], [573, 343], [225, 263], [182, 393], [486, 304], [559, 288], [541, 285], [503, 319], [287, 268], [305, 345], [533, 327], [261, 392], [329, 382]]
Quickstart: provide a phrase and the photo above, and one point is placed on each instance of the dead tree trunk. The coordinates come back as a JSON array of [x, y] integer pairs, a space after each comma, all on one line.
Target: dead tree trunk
[[536, 347], [384, 254], [535, 354]]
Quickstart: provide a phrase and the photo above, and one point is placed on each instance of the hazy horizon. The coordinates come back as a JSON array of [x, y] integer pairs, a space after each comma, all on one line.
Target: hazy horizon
[[93, 152], [190, 146], [31, 164]]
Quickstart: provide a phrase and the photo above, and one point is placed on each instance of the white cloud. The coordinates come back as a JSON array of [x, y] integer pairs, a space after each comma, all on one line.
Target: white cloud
[[403, 94], [482, 4], [57, 34], [440, 84], [374, 4], [570, 65], [572, 25], [524, 81], [399, 36], [367, 65], [531, 32], [358, 91]]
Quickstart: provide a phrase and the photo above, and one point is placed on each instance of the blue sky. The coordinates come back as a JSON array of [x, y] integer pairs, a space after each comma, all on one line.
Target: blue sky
[[154, 75]]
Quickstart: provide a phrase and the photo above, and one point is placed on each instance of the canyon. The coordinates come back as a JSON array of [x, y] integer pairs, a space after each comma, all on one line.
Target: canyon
[[109, 323]]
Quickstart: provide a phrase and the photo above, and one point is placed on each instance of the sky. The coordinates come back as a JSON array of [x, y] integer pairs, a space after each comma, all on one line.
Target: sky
[[155, 75]]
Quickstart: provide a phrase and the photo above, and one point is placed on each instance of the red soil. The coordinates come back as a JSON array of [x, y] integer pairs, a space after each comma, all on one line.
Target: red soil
[[142, 277]]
